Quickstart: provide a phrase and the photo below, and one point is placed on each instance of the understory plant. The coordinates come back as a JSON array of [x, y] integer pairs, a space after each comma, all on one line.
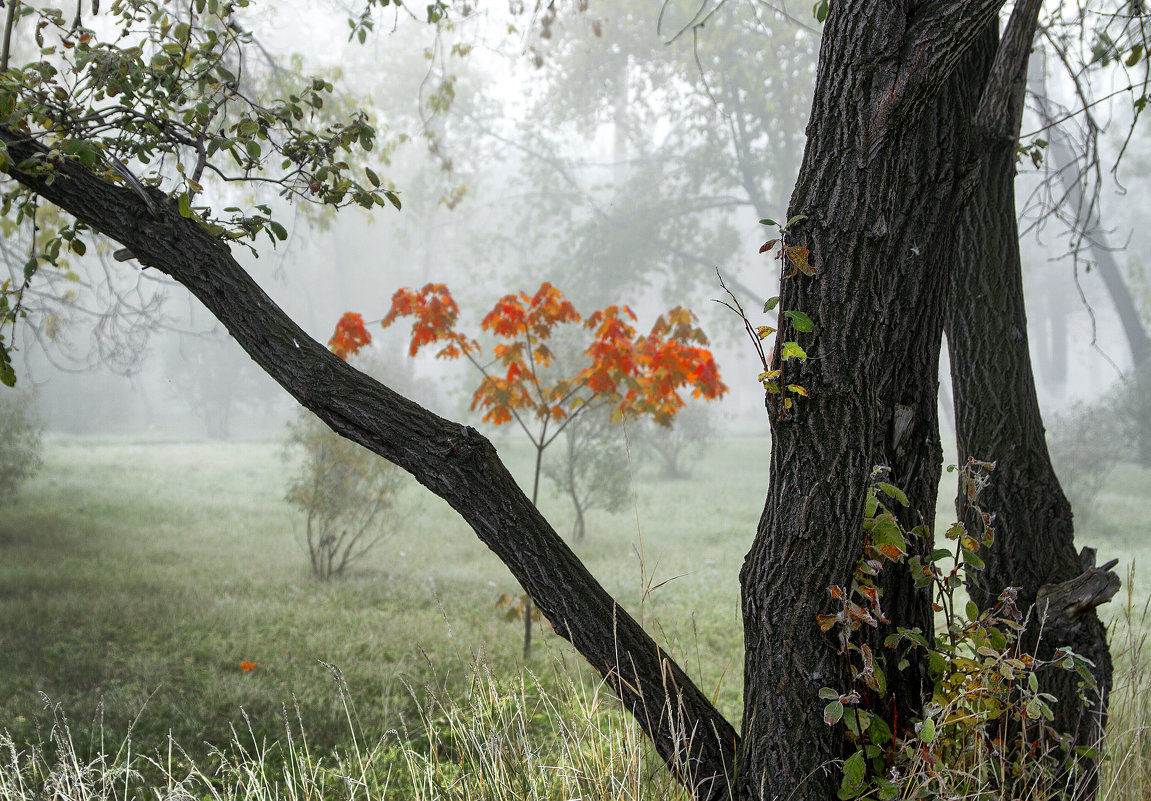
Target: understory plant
[[346, 493], [20, 444], [986, 731]]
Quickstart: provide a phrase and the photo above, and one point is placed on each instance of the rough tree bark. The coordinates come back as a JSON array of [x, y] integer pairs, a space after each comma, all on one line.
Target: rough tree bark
[[997, 411], [879, 184]]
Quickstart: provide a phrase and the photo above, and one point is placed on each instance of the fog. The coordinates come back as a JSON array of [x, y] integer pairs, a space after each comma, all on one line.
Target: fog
[[623, 157]]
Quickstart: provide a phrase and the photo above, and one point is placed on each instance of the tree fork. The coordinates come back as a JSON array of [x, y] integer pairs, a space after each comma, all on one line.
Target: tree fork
[[454, 461]]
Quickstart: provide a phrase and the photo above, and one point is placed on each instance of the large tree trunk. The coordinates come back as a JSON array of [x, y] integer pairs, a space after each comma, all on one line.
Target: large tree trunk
[[453, 461], [997, 412], [879, 184]]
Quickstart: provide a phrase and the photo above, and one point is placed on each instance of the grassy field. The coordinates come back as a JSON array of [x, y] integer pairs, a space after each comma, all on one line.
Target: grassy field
[[136, 576]]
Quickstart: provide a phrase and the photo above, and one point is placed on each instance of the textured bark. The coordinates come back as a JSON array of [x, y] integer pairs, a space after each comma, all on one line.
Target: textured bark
[[879, 184], [998, 417], [452, 460]]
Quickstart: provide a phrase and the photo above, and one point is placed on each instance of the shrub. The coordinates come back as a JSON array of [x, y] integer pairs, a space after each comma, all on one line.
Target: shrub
[[20, 443], [346, 493], [1085, 443]]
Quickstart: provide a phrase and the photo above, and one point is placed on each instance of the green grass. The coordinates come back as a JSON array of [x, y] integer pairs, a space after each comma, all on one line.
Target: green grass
[[135, 576], [138, 575]]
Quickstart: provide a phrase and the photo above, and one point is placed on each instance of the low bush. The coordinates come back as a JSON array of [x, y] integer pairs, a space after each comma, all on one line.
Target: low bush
[[346, 492], [20, 443]]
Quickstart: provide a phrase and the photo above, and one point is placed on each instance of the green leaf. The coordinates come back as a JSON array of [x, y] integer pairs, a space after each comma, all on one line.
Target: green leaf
[[792, 350], [7, 374], [857, 722], [375, 179], [253, 148], [795, 219], [827, 693], [278, 230], [1136, 54], [766, 221], [892, 491], [878, 731], [854, 773], [185, 205], [832, 713], [771, 303], [888, 791], [972, 610], [887, 532], [927, 733], [801, 321], [972, 561]]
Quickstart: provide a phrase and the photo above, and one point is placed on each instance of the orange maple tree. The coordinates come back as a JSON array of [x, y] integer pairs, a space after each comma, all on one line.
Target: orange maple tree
[[639, 375]]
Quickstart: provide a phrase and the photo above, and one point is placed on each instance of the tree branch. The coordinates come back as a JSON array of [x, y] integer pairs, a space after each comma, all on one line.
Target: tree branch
[[1001, 107], [453, 461], [936, 36]]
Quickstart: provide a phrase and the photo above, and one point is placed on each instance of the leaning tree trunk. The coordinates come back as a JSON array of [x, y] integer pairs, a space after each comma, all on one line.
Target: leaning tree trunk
[[879, 185], [454, 461], [998, 418]]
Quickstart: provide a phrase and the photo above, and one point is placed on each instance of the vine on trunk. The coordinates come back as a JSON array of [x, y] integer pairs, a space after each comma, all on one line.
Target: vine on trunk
[[987, 728]]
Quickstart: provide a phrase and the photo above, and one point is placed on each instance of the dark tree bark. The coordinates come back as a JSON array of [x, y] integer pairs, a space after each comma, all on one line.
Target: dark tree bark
[[997, 412], [880, 182], [453, 461]]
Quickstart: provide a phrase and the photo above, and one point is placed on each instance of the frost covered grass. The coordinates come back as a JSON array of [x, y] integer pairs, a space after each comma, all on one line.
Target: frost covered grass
[[136, 577]]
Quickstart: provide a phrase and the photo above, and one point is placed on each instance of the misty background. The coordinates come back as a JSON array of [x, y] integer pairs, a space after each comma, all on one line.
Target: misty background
[[622, 157]]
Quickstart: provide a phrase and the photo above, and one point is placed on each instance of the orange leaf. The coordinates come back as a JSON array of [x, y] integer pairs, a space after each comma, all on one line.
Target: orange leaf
[[350, 335]]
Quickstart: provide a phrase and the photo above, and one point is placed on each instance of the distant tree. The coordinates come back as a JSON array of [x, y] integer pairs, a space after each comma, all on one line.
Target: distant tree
[[20, 443], [643, 155], [591, 467], [346, 493], [674, 450]]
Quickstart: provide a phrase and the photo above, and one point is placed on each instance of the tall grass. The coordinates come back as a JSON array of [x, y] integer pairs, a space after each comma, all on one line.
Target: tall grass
[[1126, 772], [504, 739]]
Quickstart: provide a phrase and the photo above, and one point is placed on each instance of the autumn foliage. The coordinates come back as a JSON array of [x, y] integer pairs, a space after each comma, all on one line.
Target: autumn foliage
[[350, 335], [640, 374]]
